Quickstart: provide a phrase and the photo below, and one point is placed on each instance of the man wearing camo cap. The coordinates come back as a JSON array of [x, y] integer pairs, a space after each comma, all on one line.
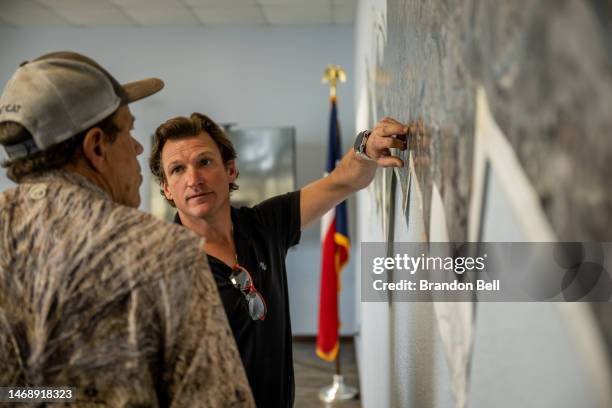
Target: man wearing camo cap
[[94, 294]]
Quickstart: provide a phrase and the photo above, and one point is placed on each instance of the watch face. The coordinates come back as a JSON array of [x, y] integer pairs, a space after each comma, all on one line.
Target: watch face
[[361, 140], [357, 145], [360, 144]]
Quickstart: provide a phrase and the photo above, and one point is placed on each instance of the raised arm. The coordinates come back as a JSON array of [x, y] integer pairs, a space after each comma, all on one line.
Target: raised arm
[[353, 172]]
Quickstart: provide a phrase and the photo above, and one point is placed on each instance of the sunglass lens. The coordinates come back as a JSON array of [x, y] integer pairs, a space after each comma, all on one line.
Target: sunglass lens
[[240, 279], [257, 306]]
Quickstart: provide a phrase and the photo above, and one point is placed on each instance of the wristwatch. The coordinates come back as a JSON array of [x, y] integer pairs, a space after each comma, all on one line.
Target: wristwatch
[[360, 144]]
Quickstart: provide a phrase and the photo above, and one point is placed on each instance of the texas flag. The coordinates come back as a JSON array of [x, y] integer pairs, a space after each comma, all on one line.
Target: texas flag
[[335, 253]]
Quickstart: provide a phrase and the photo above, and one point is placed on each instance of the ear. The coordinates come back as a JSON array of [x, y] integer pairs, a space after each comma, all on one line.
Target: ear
[[94, 148], [232, 173], [167, 193]]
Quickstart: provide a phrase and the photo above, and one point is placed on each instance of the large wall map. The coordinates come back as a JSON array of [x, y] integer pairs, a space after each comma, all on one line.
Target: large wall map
[[546, 69], [546, 66]]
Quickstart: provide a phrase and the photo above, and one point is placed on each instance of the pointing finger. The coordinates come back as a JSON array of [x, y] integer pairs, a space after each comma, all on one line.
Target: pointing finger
[[390, 161]]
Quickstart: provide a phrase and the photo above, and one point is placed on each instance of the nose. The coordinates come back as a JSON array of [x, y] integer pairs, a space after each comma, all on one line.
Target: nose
[[139, 148], [193, 177]]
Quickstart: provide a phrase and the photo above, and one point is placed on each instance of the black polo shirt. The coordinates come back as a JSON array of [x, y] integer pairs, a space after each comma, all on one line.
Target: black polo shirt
[[263, 234]]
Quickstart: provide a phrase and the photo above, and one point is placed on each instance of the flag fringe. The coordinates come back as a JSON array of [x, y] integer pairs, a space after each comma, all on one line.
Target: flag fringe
[[331, 355]]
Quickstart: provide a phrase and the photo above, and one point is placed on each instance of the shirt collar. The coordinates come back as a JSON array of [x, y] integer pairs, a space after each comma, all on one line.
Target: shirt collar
[[177, 218], [68, 177], [240, 228]]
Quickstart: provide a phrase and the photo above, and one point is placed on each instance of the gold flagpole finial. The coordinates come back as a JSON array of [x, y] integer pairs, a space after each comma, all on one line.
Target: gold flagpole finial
[[332, 75]]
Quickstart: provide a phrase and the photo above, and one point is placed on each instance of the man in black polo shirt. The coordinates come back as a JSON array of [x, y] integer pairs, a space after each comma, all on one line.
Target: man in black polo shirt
[[194, 163]]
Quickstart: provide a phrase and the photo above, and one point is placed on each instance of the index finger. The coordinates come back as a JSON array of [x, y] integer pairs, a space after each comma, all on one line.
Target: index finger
[[389, 129]]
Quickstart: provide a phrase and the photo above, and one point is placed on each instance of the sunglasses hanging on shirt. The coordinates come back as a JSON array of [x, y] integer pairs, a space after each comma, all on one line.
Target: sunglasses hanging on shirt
[[242, 280]]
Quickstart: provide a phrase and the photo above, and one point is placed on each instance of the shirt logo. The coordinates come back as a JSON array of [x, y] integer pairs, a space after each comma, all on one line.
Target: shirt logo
[[10, 108], [263, 266]]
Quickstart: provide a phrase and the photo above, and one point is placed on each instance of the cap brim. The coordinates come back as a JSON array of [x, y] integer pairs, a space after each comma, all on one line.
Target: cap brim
[[141, 89]]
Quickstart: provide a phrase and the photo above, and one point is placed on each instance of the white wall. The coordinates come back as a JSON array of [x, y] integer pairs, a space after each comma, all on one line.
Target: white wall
[[254, 76]]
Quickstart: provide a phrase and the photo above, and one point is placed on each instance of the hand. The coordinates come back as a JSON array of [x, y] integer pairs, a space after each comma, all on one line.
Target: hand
[[387, 134]]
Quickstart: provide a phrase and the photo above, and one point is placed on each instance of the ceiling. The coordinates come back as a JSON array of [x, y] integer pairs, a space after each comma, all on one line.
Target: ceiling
[[100, 13]]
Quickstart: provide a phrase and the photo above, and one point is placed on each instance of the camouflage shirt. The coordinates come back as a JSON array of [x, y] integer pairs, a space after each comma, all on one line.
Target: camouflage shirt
[[109, 300]]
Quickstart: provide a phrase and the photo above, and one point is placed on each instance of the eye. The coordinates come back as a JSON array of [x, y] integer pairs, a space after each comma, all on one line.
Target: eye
[[205, 162], [176, 169]]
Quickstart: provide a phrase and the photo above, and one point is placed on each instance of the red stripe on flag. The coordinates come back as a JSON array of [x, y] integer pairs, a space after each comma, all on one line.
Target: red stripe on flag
[[329, 322]]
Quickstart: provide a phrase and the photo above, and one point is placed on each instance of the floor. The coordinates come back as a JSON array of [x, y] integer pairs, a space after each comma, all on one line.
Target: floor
[[312, 373]]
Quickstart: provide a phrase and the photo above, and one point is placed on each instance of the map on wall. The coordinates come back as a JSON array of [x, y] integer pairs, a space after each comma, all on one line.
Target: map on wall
[[546, 68]]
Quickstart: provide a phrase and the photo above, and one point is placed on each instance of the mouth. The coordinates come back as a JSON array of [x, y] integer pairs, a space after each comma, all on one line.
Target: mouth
[[197, 196]]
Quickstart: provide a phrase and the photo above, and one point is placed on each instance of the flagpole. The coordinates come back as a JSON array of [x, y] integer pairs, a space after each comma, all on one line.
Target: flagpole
[[339, 348], [338, 390]]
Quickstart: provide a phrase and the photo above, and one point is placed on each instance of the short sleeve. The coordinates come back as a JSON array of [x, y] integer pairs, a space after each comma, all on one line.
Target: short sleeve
[[281, 216]]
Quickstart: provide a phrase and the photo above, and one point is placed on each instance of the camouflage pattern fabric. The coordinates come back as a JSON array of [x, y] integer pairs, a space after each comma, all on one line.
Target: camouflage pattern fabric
[[109, 300]]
